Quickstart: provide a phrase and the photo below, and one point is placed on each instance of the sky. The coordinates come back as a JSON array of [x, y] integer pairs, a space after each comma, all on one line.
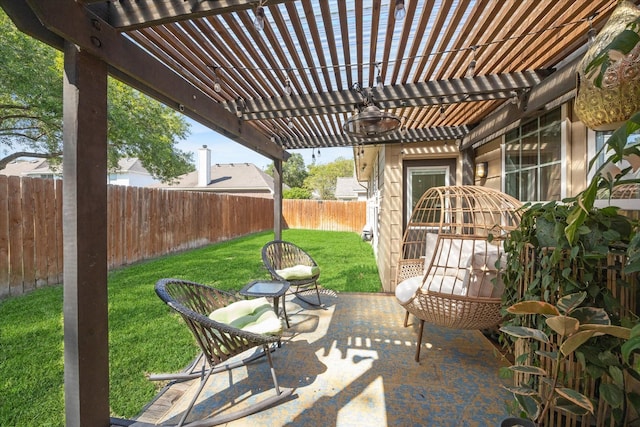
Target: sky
[[224, 150]]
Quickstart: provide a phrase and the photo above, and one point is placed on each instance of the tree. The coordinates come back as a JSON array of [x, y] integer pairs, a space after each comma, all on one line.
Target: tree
[[31, 112], [294, 171], [322, 178], [296, 193]]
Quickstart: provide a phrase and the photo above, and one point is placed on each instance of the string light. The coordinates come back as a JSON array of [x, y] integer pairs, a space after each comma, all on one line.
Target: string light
[[591, 34], [239, 107], [471, 71], [418, 57], [287, 84], [399, 12], [216, 80], [514, 97], [442, 110], [259, 21], [379, 82]]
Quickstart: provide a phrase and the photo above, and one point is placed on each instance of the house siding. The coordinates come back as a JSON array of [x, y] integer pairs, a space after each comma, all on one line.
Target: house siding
[[389, 188], [386, 186]]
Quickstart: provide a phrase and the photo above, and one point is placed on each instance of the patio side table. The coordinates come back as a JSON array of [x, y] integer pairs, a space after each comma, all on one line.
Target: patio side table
[[275, 289]]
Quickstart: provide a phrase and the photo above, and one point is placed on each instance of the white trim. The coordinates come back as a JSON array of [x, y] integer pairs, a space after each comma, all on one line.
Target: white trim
[[624, 204], [591, 153], [565, 137], [503, 166]]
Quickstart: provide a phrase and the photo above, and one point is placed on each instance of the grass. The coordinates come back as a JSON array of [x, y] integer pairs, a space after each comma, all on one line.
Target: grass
[[143, 336]]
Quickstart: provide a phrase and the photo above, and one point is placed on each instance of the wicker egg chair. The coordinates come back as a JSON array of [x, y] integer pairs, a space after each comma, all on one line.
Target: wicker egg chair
[[449, 273]]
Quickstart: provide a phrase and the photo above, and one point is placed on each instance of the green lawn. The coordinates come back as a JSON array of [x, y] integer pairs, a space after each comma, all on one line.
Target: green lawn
[[144, 336]]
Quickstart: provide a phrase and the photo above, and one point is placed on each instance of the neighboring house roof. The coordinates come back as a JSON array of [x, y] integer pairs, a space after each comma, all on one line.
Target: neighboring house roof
[[35, 167], [131, 165], [348, 188], [41, 166], [127, 168], [244, 178]]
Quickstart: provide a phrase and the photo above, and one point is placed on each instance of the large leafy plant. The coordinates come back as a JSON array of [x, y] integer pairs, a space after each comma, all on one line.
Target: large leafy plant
[[569, 326], [571, 242]]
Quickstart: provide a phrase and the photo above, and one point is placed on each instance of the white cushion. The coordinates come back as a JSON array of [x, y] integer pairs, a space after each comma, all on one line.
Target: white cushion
[[298, 272], [483, 275], [451, 285], [458, 267], [430, 243], [407, 288]]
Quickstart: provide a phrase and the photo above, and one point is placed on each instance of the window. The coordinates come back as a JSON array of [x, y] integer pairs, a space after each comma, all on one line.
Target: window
[[601, 140], [626, 196], [533, 159]]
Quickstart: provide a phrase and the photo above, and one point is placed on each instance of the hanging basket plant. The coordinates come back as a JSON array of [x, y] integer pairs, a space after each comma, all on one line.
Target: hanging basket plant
[[609, 85]]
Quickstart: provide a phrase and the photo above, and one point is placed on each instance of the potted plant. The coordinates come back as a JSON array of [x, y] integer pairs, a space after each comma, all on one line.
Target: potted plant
[[569, 326]]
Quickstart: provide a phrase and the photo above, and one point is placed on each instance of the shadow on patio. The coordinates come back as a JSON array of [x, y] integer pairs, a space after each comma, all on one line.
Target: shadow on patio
[[351, 364]]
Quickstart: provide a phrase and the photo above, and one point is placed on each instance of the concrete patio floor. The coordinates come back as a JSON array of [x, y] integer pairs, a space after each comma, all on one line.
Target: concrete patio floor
[[352, 364]]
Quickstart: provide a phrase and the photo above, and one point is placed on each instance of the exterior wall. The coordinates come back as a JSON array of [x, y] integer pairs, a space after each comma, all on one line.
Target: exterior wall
[[389, 190], [132, 179], [387, 194], [492, 154]]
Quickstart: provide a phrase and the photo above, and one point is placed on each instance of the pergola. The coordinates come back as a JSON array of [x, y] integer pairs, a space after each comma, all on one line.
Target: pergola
[[449, 70]]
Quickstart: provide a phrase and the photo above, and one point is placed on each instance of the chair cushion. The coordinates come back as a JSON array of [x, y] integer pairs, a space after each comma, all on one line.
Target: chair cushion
[[451, 285], [298, 272], [485, 280], [407, 288], [255, 315]]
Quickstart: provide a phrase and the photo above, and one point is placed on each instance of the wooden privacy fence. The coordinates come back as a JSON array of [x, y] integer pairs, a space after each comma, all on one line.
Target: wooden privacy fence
[[142, 223], [329, 215]]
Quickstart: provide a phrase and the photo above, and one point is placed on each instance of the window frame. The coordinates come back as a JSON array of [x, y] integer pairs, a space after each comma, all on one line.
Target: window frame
[[537, 166]]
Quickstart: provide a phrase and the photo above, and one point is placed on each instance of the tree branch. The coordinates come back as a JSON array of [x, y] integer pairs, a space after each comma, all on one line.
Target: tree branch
[[15, 107], [4, 162]]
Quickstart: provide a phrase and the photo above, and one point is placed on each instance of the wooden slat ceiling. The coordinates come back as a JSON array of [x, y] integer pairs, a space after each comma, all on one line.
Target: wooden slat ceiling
[[328, 49]]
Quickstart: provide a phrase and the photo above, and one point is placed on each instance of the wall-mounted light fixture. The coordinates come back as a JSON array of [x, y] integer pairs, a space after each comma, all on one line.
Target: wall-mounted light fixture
[[482, 169]]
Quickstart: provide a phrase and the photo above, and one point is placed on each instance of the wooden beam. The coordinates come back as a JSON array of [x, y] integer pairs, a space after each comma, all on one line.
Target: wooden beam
[[407, 137], [98, 38], [277, 200], [86, 332], [129, 15], [554, 87], [478, 88], [27, 22]]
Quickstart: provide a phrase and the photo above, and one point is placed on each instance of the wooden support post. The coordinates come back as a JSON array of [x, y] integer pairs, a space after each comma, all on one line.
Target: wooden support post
[[468, 166], [86, 344], [277, 199]]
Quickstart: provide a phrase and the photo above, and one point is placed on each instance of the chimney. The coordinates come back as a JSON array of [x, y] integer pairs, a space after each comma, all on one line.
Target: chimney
[[204, 166]]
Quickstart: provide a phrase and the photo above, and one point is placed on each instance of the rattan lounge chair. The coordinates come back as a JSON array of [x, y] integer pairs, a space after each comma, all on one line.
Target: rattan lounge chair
[[219, 342], [450, 270], [282, 258]]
